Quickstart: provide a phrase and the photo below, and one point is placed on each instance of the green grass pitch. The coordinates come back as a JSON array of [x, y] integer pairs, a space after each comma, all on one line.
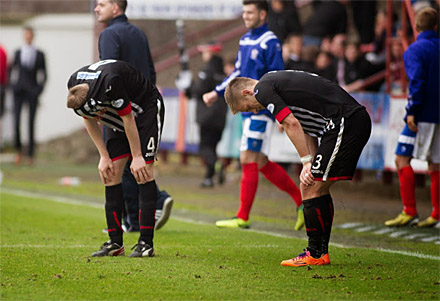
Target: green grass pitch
[[45, 255]]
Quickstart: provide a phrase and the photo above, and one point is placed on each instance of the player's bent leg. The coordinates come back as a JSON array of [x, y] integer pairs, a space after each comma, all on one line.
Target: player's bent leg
[[318, 215], [147, 207], [131, 199], [114, 203]]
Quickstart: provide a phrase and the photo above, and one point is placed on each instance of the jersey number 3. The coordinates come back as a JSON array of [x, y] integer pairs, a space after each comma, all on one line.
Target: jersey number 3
[[317, 162]]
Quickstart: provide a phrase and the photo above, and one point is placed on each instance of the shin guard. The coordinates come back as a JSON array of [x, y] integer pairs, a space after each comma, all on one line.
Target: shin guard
[[114, 205], [318, 216], [147, 210]]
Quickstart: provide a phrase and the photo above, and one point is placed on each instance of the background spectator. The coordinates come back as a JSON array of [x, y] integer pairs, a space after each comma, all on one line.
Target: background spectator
[[28, 76], [337, 49], [328, 19], [356, 66], [308, 58], [211, 120], [3, 84], [294, 46], [323, 65], [362, 12], [283, 19]]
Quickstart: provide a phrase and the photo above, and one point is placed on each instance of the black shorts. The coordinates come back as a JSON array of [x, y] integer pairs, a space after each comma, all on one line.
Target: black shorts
[[149, 124], [341, 147]]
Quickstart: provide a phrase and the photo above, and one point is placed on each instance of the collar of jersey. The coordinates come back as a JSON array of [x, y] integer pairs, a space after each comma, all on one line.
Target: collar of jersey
[[259, 30], [428, 34]]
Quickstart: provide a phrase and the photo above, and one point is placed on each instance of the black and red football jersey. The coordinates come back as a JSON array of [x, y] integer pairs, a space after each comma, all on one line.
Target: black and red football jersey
[[316, 102], [115, 89]]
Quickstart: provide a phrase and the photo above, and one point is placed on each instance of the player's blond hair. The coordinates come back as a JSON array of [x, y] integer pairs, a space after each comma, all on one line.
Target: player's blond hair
[[233, 92], [426, 19], [77, 96]]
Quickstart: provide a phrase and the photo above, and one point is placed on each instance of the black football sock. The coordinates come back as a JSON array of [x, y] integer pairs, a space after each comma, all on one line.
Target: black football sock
[[114, 204], [329, 219], [318, 216], [147, 211]]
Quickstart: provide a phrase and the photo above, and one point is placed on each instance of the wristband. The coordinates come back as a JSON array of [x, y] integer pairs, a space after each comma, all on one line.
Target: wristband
[[306, 159]]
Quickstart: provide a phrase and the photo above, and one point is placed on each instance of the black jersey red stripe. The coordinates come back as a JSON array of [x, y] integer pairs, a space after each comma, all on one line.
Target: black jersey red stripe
[[316, 102], [115, 89]]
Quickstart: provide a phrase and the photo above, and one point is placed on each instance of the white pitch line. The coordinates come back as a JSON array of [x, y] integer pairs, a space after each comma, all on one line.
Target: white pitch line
[[398, 233], [58, 199], [415, 235], [45, 246], [192, 221], [429, 239], [349, 225], [383, 231], [365, 229]]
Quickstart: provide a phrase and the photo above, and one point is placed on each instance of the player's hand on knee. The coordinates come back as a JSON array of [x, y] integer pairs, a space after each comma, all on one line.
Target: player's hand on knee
[[306, 177], [139, 170], [106, 169]]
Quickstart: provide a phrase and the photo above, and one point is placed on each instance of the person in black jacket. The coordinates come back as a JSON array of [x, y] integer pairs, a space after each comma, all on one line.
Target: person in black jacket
[[328, 19], [283, 19], [28, 76], [211, 120], [356, 66]]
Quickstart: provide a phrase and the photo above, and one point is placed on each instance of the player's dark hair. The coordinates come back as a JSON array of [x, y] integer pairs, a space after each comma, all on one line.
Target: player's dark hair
[[121, 3], [260, 4], [426, 19], [77, 96]]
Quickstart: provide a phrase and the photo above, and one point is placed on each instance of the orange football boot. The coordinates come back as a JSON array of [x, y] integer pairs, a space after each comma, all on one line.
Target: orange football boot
[[304, 259], [326, 258]]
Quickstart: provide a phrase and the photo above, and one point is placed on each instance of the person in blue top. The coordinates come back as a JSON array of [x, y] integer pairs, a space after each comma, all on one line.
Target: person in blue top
[[121, 40], [259, 53], [420, 137]]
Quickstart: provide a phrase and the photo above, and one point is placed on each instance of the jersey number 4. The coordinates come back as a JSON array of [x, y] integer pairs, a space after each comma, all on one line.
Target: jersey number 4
[[151, 144]]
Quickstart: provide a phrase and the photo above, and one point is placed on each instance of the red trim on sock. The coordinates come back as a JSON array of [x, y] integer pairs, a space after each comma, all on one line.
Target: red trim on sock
[[331, 211], [435, 198], [311, 229], [248, 188], [111, 230], [147, 227], [407, 190], [279, 177], [318, 212], [115, 216]]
